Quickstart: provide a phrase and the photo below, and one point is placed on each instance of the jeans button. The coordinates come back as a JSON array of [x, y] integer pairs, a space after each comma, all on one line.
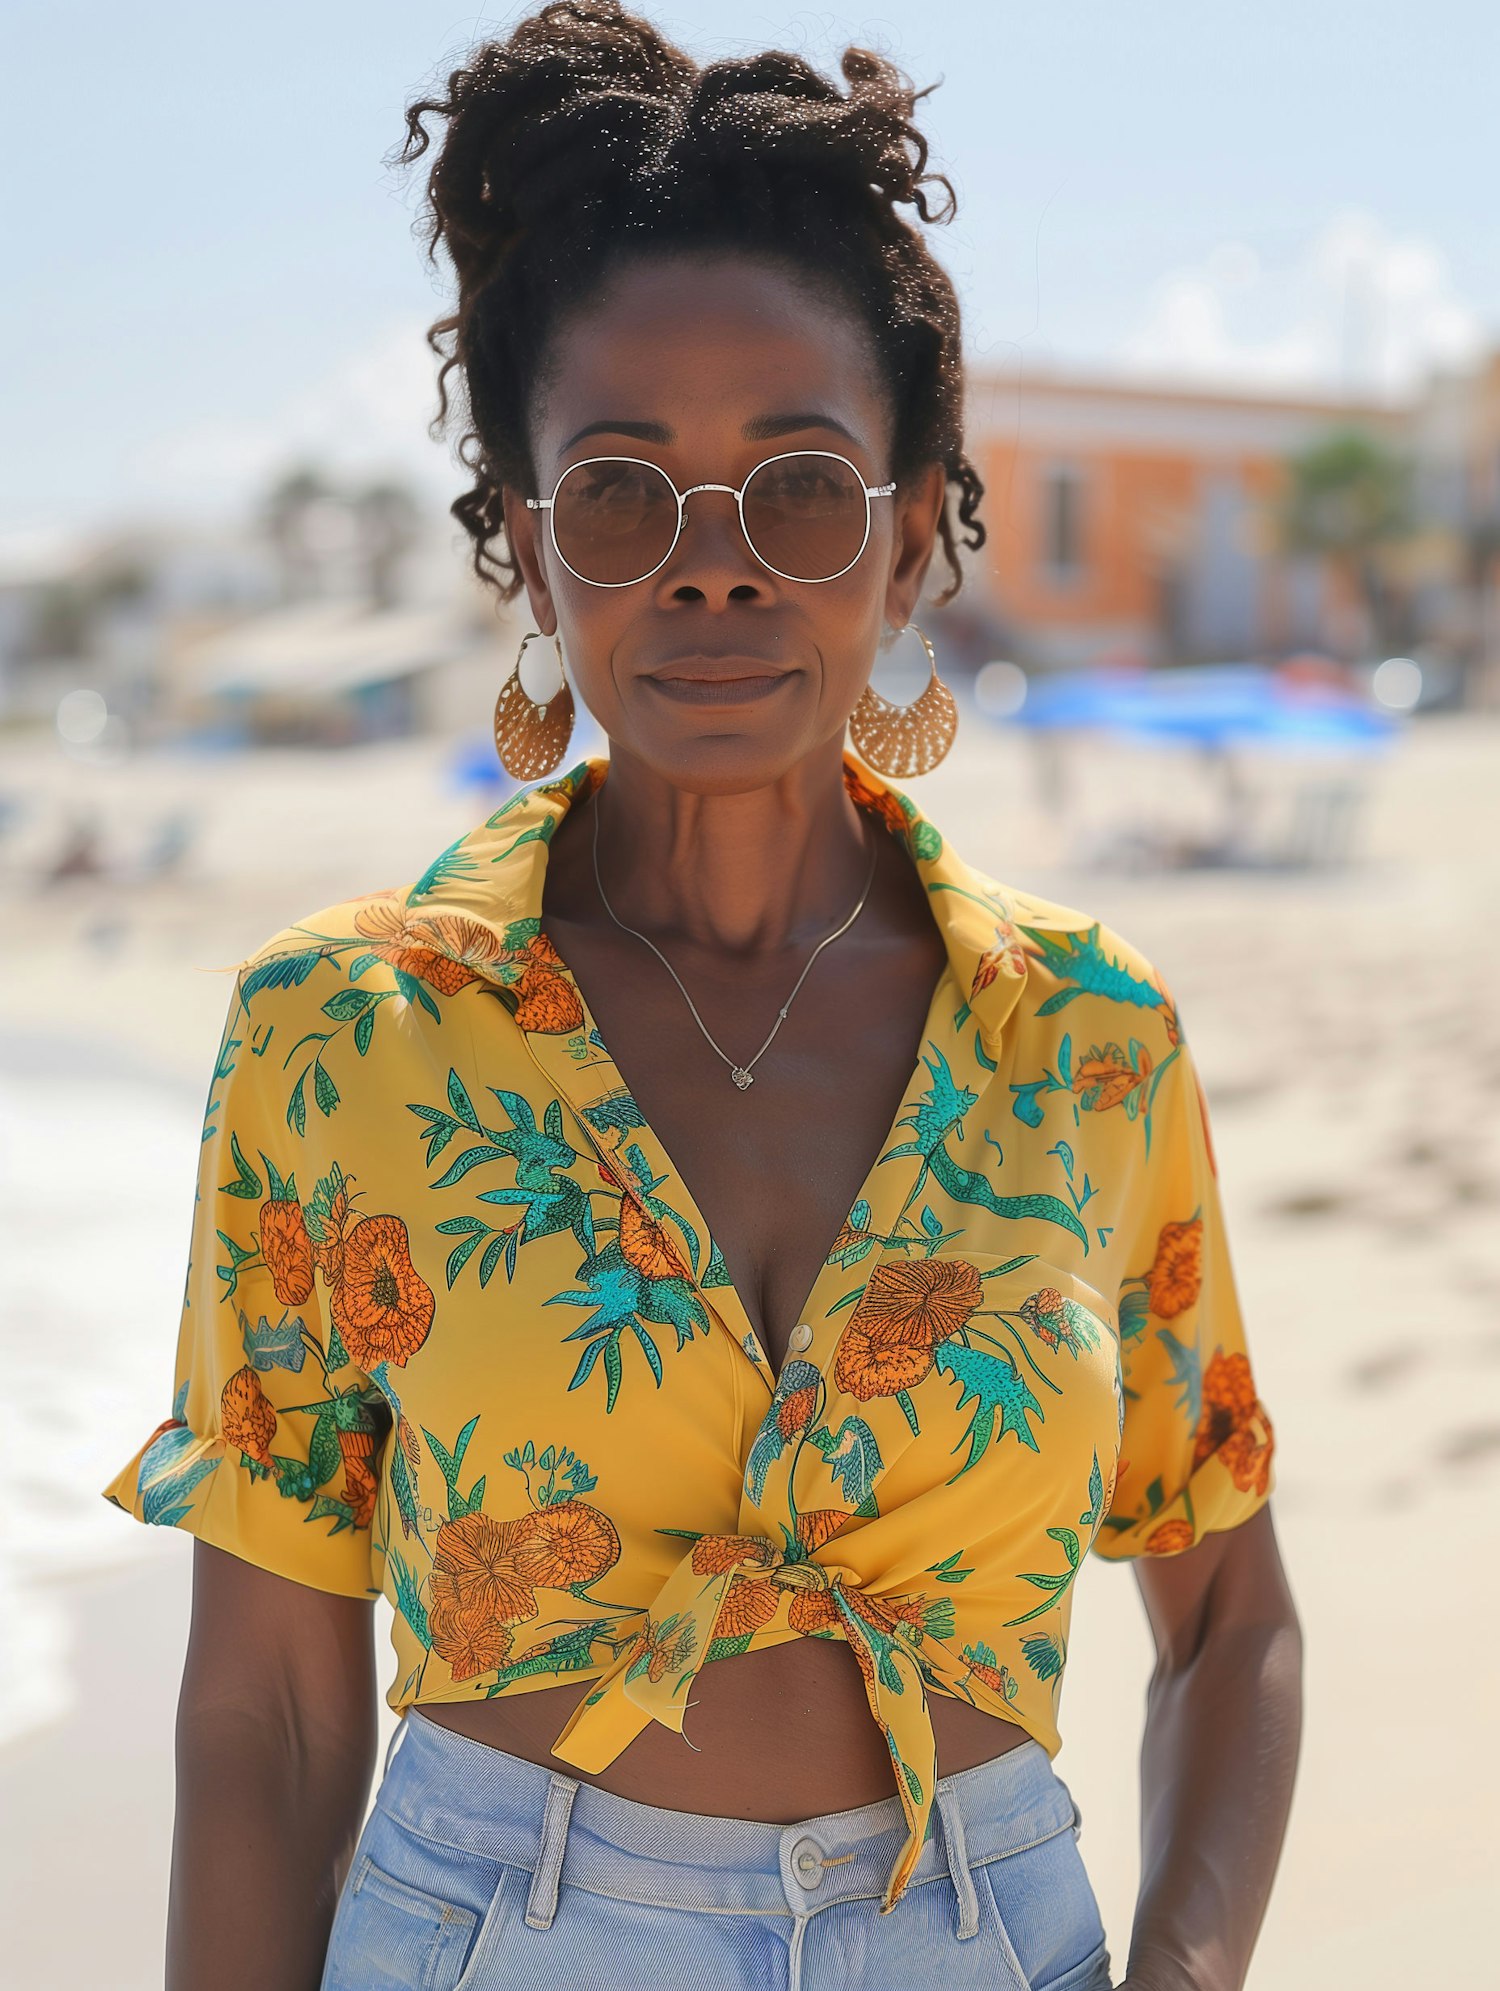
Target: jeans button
[[807, 1862]]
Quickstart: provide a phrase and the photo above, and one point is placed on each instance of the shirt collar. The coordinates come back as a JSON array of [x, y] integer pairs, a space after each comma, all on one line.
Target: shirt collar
[[479, 903]]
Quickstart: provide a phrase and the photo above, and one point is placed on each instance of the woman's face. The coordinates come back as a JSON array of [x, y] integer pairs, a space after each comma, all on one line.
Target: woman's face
[[714, 671]]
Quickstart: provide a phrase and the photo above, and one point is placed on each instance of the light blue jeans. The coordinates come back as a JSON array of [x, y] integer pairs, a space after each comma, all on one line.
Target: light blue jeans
[[480, 1871]]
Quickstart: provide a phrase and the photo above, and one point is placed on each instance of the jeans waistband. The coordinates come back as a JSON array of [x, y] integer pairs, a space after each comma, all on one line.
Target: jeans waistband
[[468, 1795]]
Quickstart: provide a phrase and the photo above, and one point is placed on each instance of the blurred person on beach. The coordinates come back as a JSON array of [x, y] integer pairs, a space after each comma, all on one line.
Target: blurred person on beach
[[712, 377]]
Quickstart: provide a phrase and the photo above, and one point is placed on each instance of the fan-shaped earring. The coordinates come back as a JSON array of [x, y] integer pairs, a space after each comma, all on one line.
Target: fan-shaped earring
[[903, 740], [531, 739]]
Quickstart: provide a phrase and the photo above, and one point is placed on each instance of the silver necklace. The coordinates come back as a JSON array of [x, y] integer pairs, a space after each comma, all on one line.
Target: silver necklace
[[743, 1075]]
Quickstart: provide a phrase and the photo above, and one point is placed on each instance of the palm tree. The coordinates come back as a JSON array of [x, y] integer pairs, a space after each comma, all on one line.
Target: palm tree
[[387, 518], [1349, 496], [286, 515]]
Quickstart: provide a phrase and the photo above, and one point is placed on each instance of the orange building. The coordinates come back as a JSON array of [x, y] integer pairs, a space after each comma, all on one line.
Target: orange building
[[1132, 520]]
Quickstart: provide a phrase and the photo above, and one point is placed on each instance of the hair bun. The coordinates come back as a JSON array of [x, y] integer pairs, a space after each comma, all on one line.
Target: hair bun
[[585, 135]]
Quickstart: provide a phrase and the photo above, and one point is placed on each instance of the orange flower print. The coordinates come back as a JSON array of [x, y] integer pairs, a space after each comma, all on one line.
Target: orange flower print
[[463, 939], [867, 1370], [819, 1525], [748, 1604], [1104, 1077], [549, 1001], [567, 1544], [399, 940], [662, 1647], [917, 1305], [1176, 1275], [1171, 1538], [1007, 953], [359, 1490], [286, 1249], [644, 1243], [1232, 1423], [796, 1409], [357, 1447], [880, 801], [409, 1445], [330, 1219], [382, 1306], [246, 1416], [813, 1611], [468, 1636], [713, 1554], [903, 1313], [1248, 1457], [476, 1563]]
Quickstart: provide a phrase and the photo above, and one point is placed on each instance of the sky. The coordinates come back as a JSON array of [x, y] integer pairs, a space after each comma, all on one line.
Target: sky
[[211, 268]]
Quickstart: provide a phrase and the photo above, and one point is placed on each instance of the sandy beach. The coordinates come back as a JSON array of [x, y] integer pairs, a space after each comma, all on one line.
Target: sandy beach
[[1345, 1023]]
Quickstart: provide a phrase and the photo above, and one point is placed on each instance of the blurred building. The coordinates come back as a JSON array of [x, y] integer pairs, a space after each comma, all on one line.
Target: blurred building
[[1139, 521]]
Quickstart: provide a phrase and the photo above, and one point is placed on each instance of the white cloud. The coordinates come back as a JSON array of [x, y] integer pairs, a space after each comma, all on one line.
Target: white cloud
[[1358, 310], [366, 418]]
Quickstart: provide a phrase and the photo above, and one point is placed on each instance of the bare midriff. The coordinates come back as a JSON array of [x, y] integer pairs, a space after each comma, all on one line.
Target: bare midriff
[[781, 1734]]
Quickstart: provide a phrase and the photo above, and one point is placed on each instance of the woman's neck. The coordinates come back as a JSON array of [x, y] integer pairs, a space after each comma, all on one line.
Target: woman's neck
[[746, 874]]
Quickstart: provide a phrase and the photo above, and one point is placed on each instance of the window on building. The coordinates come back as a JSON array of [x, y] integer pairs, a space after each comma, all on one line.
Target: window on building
[[1062, 522]]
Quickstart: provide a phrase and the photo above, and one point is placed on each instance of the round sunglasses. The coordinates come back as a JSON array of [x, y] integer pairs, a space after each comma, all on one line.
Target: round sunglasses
[[615, 520]]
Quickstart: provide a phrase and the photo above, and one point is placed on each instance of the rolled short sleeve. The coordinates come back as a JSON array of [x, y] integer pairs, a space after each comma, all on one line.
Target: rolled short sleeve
[[273, 1445], [1196, 1441]]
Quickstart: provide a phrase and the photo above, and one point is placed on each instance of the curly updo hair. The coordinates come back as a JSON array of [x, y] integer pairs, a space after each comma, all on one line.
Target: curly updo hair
[[586, 139]]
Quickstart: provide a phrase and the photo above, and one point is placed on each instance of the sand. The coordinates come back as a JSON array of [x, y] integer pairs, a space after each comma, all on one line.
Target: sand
[[1349, 1038]]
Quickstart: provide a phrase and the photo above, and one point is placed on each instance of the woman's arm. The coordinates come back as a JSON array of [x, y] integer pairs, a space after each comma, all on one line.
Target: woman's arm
[[276, 1743], [1223, 1722]]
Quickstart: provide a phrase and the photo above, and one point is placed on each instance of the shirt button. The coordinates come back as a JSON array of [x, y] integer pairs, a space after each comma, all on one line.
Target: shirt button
[[799, 1338]]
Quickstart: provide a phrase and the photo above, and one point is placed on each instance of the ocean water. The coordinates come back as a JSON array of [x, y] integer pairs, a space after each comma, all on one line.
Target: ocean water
[[97, 1170]]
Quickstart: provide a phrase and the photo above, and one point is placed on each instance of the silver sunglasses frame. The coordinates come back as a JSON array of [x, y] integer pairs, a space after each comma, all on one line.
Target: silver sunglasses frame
[[870, 491]]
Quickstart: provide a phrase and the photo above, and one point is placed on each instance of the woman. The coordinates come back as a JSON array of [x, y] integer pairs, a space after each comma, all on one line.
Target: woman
[[713, 1258]]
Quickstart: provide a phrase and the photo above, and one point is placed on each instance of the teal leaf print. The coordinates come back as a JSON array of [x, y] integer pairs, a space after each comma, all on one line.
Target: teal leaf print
[[1027, 1105], [447, 864], [991, 1383], [950, 1569], [1094, 1513], [770, 1442], [1135, 1311], [674, 1303], [165, 1480], [347, 1004], [853, 1457], [616, 1113], [1044, 1654], [450, 1464], [463, 1106], [409, 1602], [965, 1186], [1078, 958], [1187, 1373], [247, 1182], [287, 971], [278, 1347]]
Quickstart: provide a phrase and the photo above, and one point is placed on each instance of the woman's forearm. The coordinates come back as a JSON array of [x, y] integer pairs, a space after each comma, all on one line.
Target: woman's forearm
[[1217, 1766], [264, 1833]]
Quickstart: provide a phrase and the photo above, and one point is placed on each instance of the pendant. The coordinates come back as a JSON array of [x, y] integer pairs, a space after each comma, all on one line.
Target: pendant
[[741, 1077]]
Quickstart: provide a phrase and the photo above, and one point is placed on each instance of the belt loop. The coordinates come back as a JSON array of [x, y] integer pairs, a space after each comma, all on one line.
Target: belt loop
[[949, 1810], [541, 1903]]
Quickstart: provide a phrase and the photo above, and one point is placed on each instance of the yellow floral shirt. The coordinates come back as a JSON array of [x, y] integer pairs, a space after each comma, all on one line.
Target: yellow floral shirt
[[455, 1331]]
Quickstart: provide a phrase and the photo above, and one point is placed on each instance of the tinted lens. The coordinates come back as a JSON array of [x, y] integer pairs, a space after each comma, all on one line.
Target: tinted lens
[[806, 516], [613, 519]]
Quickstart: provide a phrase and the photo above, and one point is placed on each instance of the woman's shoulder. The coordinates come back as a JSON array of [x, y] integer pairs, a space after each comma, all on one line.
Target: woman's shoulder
[[1066, 955]]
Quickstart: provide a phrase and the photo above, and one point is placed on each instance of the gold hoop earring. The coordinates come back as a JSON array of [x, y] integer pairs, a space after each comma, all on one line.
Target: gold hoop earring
[[531, 739], [902, 740]]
